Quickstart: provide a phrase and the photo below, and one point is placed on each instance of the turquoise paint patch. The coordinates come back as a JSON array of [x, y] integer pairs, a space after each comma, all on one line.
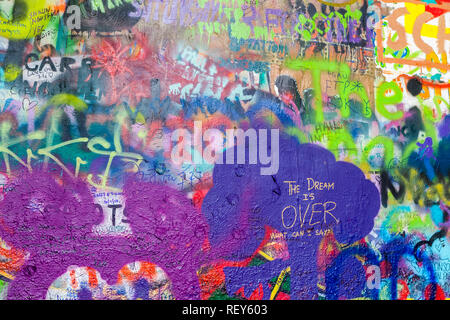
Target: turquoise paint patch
[[437, 215]]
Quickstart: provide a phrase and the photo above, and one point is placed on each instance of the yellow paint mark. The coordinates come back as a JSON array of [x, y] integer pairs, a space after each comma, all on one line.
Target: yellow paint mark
[[12, 71], [78, 164], [67, 99], [5, 128], [35, 19], [265, 255], [340, 5], [427, 29], [30, 156], [140, 118], [6, 275], [47, 152], [279, 282]]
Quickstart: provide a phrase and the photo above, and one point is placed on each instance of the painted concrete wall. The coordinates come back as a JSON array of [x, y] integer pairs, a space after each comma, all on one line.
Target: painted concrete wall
[[224, 149]]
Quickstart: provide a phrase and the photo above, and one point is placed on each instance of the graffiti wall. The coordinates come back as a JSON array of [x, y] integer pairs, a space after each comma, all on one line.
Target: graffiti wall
[[224, 149]]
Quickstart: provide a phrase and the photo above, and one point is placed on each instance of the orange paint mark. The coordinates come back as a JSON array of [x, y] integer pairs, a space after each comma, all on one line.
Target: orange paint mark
[[127, 274], [427, 83], [120, 278], [417, 63], [93, 281], [210, 281], [73, 279], [16, 257], [426, 92], [60, 8], [432, 57], [147, 270]]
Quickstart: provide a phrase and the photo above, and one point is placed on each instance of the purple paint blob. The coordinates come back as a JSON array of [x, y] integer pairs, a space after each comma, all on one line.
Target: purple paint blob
[[54, 222], [242, 202], [444, 127]]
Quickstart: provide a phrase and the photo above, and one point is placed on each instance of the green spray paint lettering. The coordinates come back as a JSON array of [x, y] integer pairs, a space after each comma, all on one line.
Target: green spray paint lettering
[[382, 100], [345, 88]]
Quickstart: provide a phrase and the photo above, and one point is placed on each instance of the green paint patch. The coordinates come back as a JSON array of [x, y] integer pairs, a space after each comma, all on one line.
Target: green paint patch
[[257, 261], [410, 221], [240, 30], [395, 96], [97, 5], [12, 72], [201, 3], [338, 137], [380, 141], [34, 20], [261, 33], [296, 132], [3, 285], [346, 87], [221, 294], [413, 71], [285, 286], [67, 99]]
